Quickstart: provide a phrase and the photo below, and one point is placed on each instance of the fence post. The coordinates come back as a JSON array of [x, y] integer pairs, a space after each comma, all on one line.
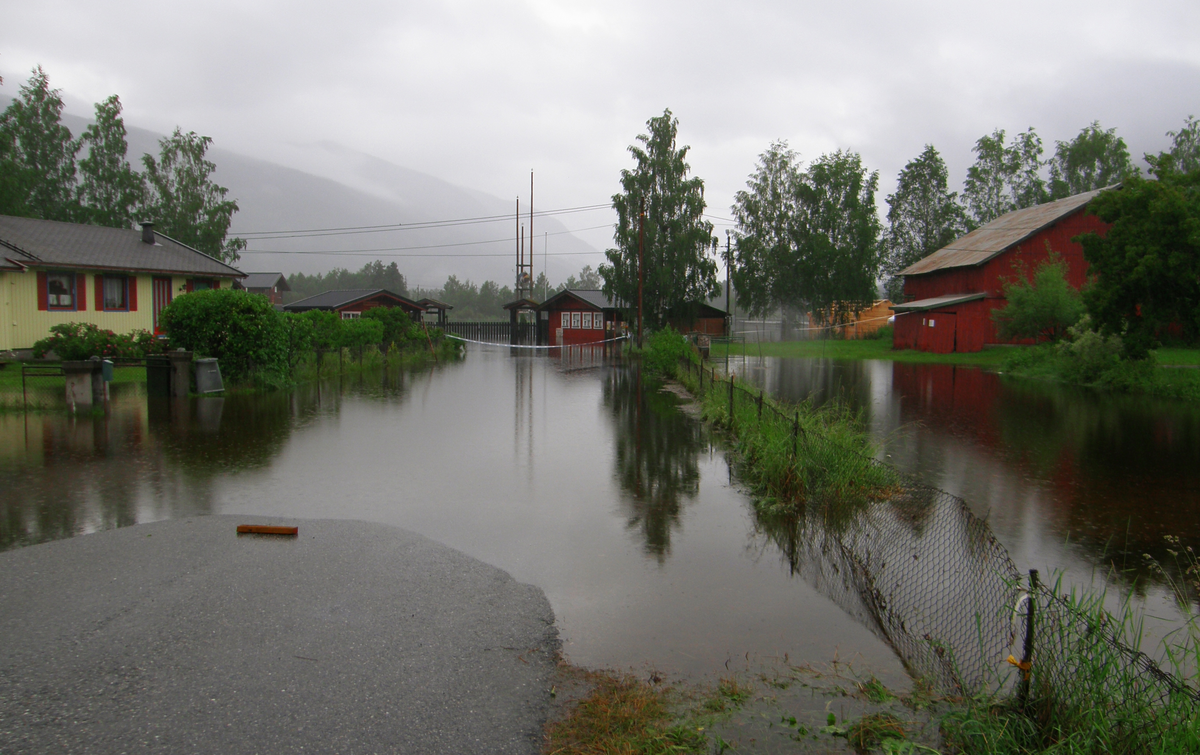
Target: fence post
[[760, 402], [796, 435], [24, 396], [731, 377], [1027, 652]]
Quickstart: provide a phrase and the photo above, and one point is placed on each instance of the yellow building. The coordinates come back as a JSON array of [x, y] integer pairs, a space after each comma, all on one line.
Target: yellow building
[[117, 278]]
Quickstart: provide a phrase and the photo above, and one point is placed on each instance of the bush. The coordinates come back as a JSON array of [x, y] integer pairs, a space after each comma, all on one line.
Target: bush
[[664, 349], [1088, 355], [1042, 308], [398, 326], [240, 329], [886, 333], [74, 341]]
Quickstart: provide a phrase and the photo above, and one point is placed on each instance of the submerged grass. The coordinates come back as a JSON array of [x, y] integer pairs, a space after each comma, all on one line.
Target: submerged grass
[[793, 454]]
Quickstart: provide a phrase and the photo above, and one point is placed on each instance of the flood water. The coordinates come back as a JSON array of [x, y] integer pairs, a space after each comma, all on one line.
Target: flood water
[[569, 473]]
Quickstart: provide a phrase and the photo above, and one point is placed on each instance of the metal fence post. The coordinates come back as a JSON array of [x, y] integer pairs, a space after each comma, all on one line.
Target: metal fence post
[[731, 397], [1027, 653]]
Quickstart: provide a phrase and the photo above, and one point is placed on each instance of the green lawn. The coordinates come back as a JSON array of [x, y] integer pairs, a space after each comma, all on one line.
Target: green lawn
[[10, 376], [874, 348]]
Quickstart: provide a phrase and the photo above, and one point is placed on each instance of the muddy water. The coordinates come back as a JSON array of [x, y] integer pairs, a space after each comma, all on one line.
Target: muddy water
[[564, 470], [567, 471]]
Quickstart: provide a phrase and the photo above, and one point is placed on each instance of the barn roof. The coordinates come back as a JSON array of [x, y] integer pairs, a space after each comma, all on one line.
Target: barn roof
[[30, 242], [332, 300], [922, 305], [1000, 235]]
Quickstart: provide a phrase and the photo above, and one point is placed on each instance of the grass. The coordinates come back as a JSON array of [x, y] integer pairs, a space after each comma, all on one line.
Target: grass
[[624, 715], [794, 454], [866, 348]]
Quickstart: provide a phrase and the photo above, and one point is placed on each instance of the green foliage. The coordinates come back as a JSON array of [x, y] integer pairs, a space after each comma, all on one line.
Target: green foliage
[[1184, 154], [40, 153], [923, 216], [588, 279], [1092, 160], [109, 189], [183, 200], [396, 326], [1089, 356], [1004, 178], [677, 266], [75, 341], [242, 330], [808, 240], [1042, 308], [360, 331], [372, 275], [664, 349], [1147, 265]]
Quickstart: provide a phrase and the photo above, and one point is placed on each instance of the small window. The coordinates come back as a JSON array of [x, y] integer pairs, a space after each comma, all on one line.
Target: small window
[[203, 284], [587, 321], [116, 293], [350, 315], [60, 290], [598, 322], [566, 320], [575, 316]]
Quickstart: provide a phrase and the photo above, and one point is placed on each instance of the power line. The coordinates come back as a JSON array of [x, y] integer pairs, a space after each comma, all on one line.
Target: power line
[[384, 250], [428, 224]]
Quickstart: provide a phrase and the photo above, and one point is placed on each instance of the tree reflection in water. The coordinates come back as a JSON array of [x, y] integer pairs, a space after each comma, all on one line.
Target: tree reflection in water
[[656, 456]]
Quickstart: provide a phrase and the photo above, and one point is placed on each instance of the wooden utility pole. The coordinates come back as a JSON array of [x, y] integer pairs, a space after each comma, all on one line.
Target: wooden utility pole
[[641, 268]]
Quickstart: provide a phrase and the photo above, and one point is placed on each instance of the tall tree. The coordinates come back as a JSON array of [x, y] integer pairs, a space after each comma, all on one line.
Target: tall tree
[[677, 264], [109, 189], [1092, 160], [588, 278], [1184, 154], [807, 240], [185, 202], [923, 216], [1004, 178], [767, 236], [41, 152], [1147, 265]]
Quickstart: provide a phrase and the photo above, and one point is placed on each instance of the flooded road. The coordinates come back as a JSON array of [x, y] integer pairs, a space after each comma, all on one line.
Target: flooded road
[[566, 472]]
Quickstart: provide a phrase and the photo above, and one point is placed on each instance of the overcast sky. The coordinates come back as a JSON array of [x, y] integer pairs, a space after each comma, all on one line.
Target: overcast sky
[[479, 93]]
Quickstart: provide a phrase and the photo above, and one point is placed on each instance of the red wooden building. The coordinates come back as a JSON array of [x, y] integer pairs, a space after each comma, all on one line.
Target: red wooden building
[[951, 293], [577, 316], [351, 303]]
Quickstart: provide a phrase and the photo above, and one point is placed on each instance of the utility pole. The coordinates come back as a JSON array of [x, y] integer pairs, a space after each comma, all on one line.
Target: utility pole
[[728, 315], [641, 268]]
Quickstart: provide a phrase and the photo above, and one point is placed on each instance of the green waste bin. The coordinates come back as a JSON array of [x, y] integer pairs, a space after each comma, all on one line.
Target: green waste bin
[[158, 377]]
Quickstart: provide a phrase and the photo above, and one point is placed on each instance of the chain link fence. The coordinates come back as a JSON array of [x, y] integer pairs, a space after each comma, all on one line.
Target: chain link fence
[[929, 577]]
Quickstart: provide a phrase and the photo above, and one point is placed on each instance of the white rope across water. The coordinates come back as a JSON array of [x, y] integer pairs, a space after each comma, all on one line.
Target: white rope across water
[[521, 346]]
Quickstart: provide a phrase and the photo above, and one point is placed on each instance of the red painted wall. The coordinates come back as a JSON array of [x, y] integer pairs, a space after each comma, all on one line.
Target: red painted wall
[[973, 326], [576, 336]]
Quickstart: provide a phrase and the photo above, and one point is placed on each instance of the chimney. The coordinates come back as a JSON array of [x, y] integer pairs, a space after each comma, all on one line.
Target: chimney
[[147, 232]]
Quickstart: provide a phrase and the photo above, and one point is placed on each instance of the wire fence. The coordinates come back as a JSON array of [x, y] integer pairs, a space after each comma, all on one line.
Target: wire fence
[[931, 579], [32, 387]]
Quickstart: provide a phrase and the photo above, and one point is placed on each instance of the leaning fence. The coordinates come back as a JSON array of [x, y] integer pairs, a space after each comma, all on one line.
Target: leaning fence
[[931, 579]]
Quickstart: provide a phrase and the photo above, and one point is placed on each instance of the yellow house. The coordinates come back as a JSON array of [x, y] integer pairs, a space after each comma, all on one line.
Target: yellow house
[[116, 278]]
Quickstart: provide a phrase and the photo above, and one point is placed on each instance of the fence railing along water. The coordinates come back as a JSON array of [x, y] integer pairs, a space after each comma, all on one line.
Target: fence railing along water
[[931, 579], [493, 332]]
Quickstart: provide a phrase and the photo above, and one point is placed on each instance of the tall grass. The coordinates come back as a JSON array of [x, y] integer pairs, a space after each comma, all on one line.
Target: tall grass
[[793, 454]]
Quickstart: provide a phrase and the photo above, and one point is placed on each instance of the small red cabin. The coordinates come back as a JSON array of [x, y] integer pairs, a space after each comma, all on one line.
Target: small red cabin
[[577, 316], [951, 293]]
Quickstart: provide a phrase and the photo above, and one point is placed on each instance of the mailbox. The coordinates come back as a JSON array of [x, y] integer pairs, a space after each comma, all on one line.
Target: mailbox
[[208, 376]]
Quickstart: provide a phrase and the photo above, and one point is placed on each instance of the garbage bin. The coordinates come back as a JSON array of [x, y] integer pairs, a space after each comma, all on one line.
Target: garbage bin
[[208, 376], [158, 377]]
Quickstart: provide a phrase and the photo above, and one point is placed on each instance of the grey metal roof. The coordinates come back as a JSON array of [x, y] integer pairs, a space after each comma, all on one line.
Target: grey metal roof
[[265, 280], [334, 299], [922, 305], [1000, 235], [592, 296], [51, 243]]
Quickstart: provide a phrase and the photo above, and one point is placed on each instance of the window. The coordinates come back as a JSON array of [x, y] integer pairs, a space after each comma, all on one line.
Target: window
[[350, 315], [116, 293], [575, 319], [566, 320], [203, 284], [60, 290], [598, 322], [587, 321]]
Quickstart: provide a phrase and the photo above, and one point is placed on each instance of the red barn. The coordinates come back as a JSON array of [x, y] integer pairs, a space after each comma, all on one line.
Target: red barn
[[351, 303], [951, 293]]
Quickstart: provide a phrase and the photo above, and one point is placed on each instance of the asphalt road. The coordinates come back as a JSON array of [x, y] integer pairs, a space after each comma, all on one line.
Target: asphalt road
[[181, 636]]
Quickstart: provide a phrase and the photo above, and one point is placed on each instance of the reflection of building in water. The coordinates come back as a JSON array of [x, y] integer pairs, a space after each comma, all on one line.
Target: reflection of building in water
[[581, 357]]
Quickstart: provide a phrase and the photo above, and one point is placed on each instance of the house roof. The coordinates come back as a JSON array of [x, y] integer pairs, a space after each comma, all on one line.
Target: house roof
[[265, 280], [337, 299], [434, 304], [922, 305], [1000, 235], [591, 296], [520, 304], [50, 243], [701, 309]]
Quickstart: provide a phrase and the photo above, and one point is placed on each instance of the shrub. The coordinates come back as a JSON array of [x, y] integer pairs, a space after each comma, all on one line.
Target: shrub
[[664, 349], [398, 326], [240, 329], [886, 333], [75, 341], [1042, 308], [361, 332], [1088, 355]]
